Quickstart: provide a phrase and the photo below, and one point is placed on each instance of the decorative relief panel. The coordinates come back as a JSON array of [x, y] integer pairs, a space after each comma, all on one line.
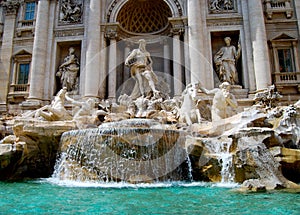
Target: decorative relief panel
[[221, 6], [70, 11]]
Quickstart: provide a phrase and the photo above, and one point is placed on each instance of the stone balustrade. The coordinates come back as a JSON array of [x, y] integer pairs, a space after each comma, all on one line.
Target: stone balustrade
[[287, 78], [279, 6], [25, 25]]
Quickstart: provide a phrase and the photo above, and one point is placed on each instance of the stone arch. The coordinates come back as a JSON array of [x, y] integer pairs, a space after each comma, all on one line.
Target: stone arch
[[116, 5]]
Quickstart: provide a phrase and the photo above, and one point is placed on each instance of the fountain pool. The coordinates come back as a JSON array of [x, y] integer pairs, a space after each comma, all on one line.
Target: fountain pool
[[61, 197]]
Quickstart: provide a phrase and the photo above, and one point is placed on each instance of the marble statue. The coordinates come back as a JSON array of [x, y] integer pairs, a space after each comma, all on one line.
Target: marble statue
[[224, 104], [225, 61], [71, 11], [68, 72], [189, 112], [82, 108], [140, 63], [56, 111]]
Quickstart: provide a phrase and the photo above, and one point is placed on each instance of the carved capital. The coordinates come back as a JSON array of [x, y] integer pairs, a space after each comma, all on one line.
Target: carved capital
[[11, 6], [111, 31], [178, 25]]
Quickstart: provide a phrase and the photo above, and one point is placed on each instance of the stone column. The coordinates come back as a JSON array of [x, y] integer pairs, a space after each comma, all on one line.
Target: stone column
[[186, 51], [177, 62], [112, 63], [261, 57], [39, 54], [92, 68], [167, 65], [178, 28], [10, 10], [196, 38], [247, 51]]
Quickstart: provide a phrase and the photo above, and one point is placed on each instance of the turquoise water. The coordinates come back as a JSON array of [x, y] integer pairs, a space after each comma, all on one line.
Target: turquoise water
[[47, 197]]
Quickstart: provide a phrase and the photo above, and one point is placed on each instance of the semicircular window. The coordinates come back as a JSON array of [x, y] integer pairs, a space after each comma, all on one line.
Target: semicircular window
[[144, 16]]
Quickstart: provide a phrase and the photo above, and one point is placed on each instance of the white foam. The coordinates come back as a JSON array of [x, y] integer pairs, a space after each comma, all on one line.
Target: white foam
[[119, 185]]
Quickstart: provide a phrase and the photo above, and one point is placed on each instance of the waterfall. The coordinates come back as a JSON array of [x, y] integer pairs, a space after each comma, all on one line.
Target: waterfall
[[130, 151], [220, 149], [225, 159]]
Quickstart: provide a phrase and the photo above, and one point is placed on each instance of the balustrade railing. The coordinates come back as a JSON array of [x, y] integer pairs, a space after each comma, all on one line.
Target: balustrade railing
[[17, 88], [26, 23], [278, 6], [287, 78]]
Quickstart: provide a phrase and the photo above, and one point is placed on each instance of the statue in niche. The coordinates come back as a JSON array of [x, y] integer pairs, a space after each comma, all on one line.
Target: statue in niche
[[225, 61], [140, 64], [71, 11], [68, 72], [224, 104]]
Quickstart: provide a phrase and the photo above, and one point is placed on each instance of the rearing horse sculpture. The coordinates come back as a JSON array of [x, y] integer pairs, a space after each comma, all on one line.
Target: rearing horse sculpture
[[189, 112]]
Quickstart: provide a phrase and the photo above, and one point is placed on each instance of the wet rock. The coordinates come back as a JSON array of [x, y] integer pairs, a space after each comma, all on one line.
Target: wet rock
[[290, 162], [254, 185], [254, 161], [31, 152]]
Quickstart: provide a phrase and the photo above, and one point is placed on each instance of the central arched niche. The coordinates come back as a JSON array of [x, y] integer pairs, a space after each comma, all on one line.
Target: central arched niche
[[144, 16]]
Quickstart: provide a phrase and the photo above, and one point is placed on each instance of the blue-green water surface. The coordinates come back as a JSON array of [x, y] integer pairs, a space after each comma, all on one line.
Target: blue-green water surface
[[45, 197]]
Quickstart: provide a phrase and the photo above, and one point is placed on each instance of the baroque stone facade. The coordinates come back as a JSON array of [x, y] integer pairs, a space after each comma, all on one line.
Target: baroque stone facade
[[182, 36]]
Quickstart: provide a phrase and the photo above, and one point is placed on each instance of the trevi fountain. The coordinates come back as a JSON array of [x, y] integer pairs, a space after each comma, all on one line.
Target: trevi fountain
[[147, 137]]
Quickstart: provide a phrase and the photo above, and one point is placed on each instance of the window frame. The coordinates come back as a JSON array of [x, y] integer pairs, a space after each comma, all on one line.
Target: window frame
[[32, 16], [18, 60], [284, 44], [292, 57], [19, 73]]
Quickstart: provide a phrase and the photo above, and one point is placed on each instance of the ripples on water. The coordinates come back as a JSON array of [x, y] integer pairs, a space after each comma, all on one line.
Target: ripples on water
[[48, 196]]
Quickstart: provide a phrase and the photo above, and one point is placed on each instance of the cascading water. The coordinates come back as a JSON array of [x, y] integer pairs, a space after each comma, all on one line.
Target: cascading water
[[219, 149], [128, 151], [225, 159]]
